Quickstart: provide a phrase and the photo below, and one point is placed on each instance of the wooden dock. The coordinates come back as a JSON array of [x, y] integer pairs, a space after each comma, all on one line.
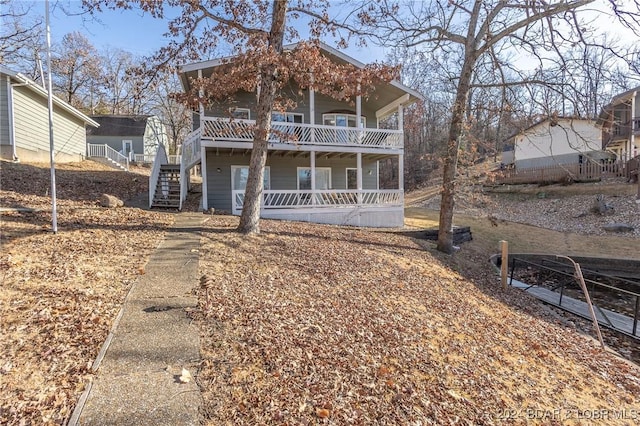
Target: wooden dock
[[605, 317]]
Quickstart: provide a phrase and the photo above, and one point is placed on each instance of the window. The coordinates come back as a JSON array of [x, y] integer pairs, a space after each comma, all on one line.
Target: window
[[240, 174], [287, 117], [240, 113], [343, 120], [323, 178], [352, 178]]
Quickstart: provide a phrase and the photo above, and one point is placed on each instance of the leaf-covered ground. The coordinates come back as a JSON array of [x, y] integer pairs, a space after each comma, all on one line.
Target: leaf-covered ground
[[59, 294], [313, 324]]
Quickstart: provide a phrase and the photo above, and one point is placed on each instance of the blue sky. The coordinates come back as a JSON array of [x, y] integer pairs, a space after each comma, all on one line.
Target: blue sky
[[135, 32]]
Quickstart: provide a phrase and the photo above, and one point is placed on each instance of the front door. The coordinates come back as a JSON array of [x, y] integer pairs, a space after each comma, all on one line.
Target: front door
[[127, 148]]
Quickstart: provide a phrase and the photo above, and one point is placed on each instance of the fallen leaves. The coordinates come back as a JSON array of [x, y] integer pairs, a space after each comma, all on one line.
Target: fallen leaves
[[307, 324], [61, 293]]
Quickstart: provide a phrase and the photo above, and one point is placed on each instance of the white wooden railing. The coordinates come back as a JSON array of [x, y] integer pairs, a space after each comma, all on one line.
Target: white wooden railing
[[299, 133], [294, 199], [150, 158], [161, 158], [190, 157], [105, 151]]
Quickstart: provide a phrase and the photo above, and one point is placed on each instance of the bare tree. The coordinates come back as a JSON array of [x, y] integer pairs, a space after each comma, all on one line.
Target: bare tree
[[175, 115], [21, 35], [256, 30], [470, 35], [75, 67]]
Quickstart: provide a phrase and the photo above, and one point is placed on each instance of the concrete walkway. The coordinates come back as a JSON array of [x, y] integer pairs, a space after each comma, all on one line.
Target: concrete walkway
[[138, 381]]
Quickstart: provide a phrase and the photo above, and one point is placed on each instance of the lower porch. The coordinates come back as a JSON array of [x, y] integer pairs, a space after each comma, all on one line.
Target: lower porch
[[322, 187]]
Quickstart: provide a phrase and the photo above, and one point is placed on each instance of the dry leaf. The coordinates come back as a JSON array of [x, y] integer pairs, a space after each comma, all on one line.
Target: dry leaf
[[186, 376], [323, 413]]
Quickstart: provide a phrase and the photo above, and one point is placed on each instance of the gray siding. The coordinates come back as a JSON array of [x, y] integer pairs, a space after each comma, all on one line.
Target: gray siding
[[32, 125], [284, 174], [548, 161], [323, 105], [4, 113], [115, 142]]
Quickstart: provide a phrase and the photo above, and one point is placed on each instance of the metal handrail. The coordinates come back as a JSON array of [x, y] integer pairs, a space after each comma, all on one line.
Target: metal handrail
[[583, 285]]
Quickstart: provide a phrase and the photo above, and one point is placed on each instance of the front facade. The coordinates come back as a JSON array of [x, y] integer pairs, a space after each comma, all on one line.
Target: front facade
[[136, 137], [620, 123], [323, 156], [553, 142], [24, 123]]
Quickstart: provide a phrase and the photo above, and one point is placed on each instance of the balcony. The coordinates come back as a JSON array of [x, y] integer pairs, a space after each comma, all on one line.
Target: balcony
[[295, 134]]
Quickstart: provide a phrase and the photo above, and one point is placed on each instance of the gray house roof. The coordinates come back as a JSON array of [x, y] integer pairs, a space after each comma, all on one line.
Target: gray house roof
[[119, 125]]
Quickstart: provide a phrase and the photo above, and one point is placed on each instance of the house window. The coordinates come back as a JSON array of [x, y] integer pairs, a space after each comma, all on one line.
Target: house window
[[323, 178], [240, 174], [352, 178], [287, 117], [240, 113], [343, 120]]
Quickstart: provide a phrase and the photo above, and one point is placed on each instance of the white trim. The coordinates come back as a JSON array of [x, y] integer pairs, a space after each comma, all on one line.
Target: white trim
[[393, 106], [286, 114], [309, 168], [240, 166], [203, 165], [126, 142], [210, 143], [10, 117], [359, 123]]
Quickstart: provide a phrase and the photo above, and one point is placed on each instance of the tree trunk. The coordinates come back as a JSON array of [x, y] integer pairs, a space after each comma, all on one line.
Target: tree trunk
[[445, 231], [249, 220]]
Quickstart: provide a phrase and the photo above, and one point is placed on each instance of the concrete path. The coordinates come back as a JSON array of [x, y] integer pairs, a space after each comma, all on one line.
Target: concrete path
[[138, 381]]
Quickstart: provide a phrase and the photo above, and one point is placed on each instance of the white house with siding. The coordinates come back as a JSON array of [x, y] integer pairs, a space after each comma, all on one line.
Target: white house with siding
[[24, 122], [555, 141], [327, 172]]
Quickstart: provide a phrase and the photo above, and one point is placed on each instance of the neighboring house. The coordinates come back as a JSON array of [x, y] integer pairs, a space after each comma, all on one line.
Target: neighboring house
[[329, 174], [24, 122], [134, 136], [620, 123], [554, 141]]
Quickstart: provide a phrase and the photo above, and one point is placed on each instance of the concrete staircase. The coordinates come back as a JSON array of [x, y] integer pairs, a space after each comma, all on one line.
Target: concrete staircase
[[167, 195]]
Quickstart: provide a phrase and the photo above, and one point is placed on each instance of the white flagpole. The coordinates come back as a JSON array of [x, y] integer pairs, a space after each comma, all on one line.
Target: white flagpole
[[54, 210]]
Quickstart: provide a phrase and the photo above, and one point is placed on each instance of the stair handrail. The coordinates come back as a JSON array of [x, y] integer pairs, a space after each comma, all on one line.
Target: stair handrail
[[115, 156], [161, 158], [190, 156]]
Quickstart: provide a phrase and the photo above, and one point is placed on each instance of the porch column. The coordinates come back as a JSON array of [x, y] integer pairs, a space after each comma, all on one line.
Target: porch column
[[312, 159], [312, 111], [401, 172], [634, 114], [201, 107], [359, 176], [203, 166], [401, 117], [358, 116]]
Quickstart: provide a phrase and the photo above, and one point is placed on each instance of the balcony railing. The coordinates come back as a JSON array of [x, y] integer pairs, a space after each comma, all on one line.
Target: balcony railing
[[302, 134], [336, 198], [150, 158]]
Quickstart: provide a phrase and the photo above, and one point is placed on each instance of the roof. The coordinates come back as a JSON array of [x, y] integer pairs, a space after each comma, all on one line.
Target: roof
[[393, 94], [623, 98], [119, 125], [41, 91], [544, 120]]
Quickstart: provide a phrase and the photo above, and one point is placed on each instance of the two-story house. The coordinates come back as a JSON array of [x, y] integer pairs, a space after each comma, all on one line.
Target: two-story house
[[620, 123], [327, 173]]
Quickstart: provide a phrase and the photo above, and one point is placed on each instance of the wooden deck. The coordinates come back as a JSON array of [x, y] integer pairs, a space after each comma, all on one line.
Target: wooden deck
[[605, 317]]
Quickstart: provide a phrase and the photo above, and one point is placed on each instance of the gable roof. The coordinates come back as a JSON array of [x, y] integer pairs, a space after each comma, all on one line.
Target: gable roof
[[40, 91], [543, 121], [119, 125], [393, 91]]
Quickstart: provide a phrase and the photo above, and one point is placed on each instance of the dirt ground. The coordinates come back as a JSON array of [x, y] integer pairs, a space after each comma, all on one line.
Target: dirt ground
[[61, 292], [313, 324], [302, 324]]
